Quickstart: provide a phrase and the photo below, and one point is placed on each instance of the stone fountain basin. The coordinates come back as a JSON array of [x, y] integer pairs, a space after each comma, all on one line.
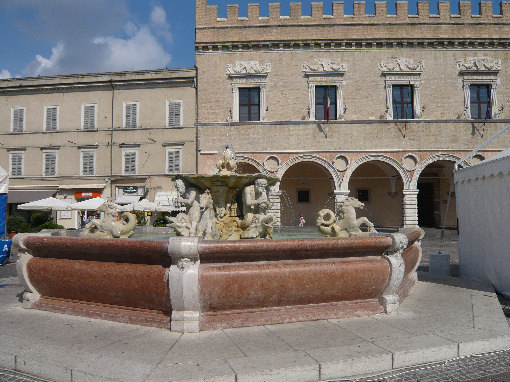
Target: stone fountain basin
[[189, 284]]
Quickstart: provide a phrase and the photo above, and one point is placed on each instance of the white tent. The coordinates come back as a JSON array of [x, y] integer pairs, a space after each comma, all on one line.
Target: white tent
[[48, 204], [144, 205], [88, 204], [4, 181]]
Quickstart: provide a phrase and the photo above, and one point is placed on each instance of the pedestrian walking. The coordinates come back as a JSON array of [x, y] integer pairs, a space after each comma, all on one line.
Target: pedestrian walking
[[301, 220]]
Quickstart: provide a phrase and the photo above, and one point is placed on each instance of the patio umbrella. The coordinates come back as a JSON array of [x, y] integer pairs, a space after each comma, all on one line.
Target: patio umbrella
[[88, 204], [48, 204], [144, 205]]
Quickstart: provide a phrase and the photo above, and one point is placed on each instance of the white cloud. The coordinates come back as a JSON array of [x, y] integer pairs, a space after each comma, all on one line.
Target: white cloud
[[126, 46], [4, 73], [141, 51]]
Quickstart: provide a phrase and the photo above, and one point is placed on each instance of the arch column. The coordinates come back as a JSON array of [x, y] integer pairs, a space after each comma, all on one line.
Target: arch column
[[274, 199], [340, 196], [410, 208]]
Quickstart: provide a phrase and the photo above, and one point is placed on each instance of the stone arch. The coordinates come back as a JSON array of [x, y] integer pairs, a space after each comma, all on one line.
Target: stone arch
[[369, 158], [434, 158], [260, 168], [311, 158]]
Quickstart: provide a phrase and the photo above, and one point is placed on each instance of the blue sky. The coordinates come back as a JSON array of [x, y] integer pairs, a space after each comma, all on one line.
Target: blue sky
[[49, 37]]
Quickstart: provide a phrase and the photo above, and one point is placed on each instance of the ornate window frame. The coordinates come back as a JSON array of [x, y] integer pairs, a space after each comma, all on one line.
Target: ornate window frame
[[248, 74], [325, 73], [480, 71], [402, 71]]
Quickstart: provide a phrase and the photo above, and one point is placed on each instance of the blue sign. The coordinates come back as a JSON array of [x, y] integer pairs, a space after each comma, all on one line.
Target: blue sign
[[3, 208]]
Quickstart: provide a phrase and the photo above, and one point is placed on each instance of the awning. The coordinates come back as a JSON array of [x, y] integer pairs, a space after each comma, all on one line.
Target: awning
[[25, 196], [127, 199], [168, 199]]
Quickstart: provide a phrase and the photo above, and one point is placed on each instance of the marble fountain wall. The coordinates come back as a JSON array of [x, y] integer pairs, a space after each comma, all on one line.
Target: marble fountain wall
[[190, 284]]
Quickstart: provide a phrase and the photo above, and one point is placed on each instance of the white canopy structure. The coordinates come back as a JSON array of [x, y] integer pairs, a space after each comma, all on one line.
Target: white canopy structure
[[144, 205], [4, 181], [48, 204]]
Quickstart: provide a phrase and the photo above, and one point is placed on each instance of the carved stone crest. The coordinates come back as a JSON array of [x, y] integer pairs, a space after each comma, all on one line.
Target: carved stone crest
[[324, 65], [479, 64], [248, 67], [400, 65]]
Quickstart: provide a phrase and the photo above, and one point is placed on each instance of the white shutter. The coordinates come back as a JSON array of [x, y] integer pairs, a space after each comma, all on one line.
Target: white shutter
[[51, 118], [16, 164], [18, 119], [130, 162], [174, 113], [88, 163], [174, 161], [50, 164], [131, 111], [89, 117]]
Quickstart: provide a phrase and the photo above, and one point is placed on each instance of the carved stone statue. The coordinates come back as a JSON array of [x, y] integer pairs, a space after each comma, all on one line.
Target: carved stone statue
[[227, 165], [207, 224], [257, 222], [346, 225], [186, 224], [109, 226]]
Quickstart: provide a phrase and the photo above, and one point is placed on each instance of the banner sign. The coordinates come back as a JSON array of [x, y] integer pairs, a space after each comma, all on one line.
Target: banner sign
[[130, 189], [3, 208], [87, 195]]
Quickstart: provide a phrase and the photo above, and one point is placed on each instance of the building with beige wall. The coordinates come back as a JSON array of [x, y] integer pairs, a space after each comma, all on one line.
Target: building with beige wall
[[115, 135], [408, 96]]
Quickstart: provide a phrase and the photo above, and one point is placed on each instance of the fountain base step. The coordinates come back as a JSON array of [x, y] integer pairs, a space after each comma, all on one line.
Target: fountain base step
[[125, 315]]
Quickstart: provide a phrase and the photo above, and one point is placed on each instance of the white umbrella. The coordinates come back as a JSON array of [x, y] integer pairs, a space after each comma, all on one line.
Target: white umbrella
[[88, 204], [144, 205], [48, 204], [125, 207]]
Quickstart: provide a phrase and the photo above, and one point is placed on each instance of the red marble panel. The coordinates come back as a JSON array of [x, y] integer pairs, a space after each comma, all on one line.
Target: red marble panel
[[291, 249], [110, 250], [226, 287], [125, 285]]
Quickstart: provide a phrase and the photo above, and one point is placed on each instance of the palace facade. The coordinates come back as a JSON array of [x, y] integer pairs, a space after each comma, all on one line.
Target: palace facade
[[378, 107]]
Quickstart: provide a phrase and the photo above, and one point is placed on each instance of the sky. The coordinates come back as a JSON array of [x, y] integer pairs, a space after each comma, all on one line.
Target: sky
[[52, 37]]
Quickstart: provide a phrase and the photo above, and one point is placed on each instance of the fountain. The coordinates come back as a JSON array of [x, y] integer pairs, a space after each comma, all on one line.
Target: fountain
[[219, 272]]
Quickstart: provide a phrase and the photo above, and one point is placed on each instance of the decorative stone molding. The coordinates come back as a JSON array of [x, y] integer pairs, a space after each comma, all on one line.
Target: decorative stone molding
[[183, 284], [247, 68], [245, 74], [480, 71], [311, 158], [410, 208], [409, 161], [400, 65], [340, 197], [244, 159], [401, 71], [389, 299], [376, 157], [272, 163], [434, 158], [325, 73], [479, 64], [324, 65]]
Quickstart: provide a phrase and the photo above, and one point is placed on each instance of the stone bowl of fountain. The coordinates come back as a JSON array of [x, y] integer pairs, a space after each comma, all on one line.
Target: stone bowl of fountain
[[221, 270]]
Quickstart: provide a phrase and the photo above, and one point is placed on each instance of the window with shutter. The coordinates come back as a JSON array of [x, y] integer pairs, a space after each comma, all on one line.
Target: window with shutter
[[130, 163], [17, 164], [18, 119], [173, 161], [89, 117], [131, 110], [51, 118], [50, 164], [87, 160], [174, 113]]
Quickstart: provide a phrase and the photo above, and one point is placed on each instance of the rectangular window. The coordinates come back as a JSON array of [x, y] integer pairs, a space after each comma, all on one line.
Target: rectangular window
[[303, 196], [88, 161], [16, 166], [249, 104], [18, 119], [174, 113], [363, 195], [88, 117], [325, 103], [402, 102], [50, 163], [130, 162], [173, 158], [131, 115], [480, 101], [51, 118]]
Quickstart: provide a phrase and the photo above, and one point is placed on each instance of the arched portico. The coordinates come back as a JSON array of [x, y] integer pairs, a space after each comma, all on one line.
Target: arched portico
[[247, 165], [379, 182]]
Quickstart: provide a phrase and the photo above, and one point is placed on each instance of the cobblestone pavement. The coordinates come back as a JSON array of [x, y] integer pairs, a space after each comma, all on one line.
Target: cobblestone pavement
[[14, 376], [490, 367]]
